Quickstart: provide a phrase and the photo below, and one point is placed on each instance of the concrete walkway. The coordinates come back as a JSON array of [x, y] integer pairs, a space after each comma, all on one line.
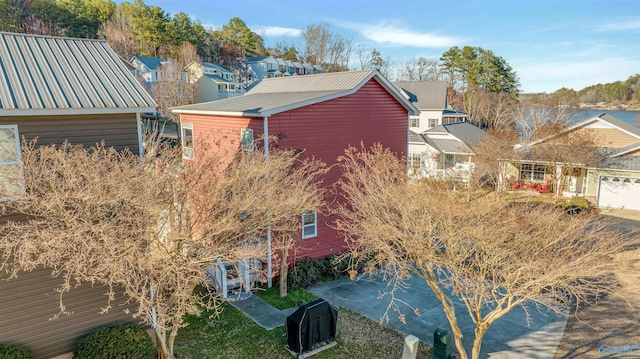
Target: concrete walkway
[[508, 337], [261, 312]]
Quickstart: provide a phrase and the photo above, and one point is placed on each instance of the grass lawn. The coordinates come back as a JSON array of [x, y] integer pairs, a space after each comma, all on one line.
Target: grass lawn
[[233, 335], [294, 298]]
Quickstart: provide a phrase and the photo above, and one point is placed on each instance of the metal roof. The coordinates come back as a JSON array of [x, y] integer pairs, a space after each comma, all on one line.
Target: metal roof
[[425, 95], [415, 137], [451, 146], [216, 78], [56, 75], [281, 94], [215, 66], [151, 62]]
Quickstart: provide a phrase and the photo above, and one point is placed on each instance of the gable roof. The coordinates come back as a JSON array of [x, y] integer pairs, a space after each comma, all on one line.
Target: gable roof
[[213, 65], [456, 137], [42, 75], [276, 95], [425, 95], [151, 62], [628, 149], [603, 117]]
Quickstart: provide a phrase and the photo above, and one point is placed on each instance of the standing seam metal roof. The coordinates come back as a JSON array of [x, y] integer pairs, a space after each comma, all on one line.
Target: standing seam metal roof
[[284, 93], [55, 73]]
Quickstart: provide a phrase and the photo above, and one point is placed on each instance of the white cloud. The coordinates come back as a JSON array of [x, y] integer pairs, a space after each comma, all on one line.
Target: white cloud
[[549, 77], [385, 32], [624, 25], [277, 31]]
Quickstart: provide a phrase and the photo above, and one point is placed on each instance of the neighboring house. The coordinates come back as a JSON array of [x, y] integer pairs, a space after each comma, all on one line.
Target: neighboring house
[[321, 114], [613, 183], [444, 151], [431, 98], [148, 69], [214, 81], [266, 67], [60, 89]]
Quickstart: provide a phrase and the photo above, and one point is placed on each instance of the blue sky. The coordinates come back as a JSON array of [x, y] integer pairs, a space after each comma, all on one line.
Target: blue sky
[[551, 43]]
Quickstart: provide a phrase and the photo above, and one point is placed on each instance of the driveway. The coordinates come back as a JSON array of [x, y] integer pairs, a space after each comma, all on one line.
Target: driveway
[[508, 337]]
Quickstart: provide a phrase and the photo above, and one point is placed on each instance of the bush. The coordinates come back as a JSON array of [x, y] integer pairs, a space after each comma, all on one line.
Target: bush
[[577, 205], [308, 271], [14, 351], [115, 342]]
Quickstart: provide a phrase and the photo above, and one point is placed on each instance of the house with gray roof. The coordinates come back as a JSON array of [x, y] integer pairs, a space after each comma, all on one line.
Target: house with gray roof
[[60, 89], [213, 81], [444, 151], [147, 68], [256, 69], [613, 182], [431, 98]]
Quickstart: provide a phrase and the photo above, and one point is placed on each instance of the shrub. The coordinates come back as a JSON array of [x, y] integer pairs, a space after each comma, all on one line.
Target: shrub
[[304, 273], [308, 271], [576, 205], [14, 351], [116, 342]]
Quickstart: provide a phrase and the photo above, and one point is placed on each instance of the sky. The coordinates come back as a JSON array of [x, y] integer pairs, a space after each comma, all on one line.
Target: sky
[[549, 43]]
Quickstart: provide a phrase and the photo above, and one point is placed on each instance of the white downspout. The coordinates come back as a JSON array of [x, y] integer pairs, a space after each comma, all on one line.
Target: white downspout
[[266, 156], [408, 137]]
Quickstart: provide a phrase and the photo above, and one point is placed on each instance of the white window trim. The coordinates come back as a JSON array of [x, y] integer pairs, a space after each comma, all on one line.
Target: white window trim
[[531, 173], [242, 131], [18, 161], [187, 152], [314, 225], [433, 119], [414, 122]]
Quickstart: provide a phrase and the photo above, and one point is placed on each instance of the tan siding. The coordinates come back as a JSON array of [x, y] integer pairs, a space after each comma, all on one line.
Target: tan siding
[[609, 137], [28, 303], [119, 130]]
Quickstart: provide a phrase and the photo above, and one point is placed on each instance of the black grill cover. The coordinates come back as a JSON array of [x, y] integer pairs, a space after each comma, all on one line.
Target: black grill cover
[[311, 324]]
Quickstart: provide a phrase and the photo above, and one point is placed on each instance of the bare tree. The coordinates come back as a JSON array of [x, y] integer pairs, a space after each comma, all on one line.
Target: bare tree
[[489, 110], [118, 31], [97, 217], [491, 152], [490, 255], [364, 57], [421, 69], [323, 47], [172, 88]]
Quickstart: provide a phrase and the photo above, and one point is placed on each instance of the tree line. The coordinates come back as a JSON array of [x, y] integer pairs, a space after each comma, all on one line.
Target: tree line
[[613, 93]]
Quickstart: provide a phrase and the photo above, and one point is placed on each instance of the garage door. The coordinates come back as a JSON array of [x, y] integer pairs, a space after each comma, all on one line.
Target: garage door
[[619, 192]]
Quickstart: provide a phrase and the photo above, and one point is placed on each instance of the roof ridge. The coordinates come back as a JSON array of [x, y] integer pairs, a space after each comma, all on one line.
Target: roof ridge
[[50, 36]]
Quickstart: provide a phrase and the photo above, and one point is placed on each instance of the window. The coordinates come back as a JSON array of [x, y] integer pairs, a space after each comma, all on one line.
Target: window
[[414, 122], [531, 172], [11, 184], [449, 160], [433, 122], [414, 161], [309, 225], [187, 141], [246, 136]]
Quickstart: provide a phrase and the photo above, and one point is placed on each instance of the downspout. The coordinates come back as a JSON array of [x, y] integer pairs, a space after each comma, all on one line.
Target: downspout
[[140, 147], [408, 136], [266, 156]]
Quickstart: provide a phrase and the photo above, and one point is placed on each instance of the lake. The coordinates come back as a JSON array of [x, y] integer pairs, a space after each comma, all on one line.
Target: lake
[[630, 117]]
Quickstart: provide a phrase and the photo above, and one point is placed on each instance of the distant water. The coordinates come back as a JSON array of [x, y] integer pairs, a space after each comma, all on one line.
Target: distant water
[[630, 117]]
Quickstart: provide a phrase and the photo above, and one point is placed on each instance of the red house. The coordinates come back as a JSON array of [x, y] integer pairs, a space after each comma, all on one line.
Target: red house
[[322, 114]]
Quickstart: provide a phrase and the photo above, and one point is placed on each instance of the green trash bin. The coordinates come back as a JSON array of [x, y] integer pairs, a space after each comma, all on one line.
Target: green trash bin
[[442, 344]]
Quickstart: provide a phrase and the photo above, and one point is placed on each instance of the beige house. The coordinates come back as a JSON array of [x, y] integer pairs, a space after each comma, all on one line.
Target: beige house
[[60, 89], [614, 183]]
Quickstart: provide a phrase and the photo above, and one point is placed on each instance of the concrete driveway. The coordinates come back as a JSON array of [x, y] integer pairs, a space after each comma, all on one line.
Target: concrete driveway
[[508, 337]]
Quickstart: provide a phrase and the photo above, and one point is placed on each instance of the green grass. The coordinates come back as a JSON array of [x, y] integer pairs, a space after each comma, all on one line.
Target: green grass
[[295, 297], [233, 335]]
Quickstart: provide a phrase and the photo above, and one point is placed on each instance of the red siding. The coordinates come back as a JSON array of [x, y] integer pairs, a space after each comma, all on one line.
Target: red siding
[[324, 130]]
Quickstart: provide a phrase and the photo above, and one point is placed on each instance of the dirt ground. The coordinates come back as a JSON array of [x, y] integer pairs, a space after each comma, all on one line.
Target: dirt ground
[[612, 325]]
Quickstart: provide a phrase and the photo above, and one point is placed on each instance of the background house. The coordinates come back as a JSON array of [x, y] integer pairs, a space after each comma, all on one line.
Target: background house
[[444, 151], [615, 182], [431, 98], [214, 81], [147, 68], [60, 89], [266, 67], [320, 114]]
